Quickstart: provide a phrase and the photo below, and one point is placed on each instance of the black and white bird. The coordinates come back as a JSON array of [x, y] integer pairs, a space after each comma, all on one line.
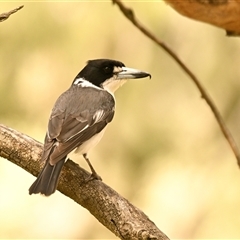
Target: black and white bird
[[79, 118]]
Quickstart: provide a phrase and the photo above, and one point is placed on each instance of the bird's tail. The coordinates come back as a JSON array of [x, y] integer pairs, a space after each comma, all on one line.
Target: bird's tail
[[47, 180]]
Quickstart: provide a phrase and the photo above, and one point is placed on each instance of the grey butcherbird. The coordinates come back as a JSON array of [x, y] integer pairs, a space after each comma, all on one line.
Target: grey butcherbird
[[79, 118]]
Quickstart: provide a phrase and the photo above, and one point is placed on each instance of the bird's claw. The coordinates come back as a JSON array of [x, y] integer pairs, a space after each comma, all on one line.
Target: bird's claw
[[93, 176]]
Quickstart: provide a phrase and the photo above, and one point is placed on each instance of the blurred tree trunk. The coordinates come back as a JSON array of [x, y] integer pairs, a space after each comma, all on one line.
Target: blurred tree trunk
[[221, 13]]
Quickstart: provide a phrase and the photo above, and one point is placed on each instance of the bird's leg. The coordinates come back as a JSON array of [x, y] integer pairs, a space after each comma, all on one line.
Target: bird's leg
[[94, 174]]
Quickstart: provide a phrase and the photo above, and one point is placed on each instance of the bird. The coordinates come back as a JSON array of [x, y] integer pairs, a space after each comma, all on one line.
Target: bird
[[79, 118]]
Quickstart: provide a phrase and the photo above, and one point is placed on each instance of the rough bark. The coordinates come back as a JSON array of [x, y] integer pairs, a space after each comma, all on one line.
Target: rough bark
[[112, 210]]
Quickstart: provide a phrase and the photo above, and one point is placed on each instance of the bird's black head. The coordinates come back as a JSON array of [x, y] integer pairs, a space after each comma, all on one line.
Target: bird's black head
[[108, 74], [99, 70]]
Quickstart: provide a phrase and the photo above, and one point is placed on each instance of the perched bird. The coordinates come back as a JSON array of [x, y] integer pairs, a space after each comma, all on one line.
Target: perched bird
[[79, 118]]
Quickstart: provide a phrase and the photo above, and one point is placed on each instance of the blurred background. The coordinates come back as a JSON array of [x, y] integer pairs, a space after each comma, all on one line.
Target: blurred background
[[164, 151]]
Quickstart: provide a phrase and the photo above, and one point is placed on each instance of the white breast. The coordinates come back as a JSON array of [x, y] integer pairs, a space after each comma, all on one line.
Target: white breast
[[92, 142]]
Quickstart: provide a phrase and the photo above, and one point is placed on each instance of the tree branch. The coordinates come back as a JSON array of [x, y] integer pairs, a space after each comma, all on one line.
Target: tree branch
[[131, 16], [112, 210], [5, 16]]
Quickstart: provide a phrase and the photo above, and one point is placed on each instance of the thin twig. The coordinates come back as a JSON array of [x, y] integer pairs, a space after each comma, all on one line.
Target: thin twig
[[5, 16], [130, 16]]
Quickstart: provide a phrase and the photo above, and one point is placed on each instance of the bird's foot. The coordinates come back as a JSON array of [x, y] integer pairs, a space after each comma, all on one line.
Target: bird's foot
[[93, 176]]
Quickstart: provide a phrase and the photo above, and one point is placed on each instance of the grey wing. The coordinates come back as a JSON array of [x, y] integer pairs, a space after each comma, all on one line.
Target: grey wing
[[68, 131]]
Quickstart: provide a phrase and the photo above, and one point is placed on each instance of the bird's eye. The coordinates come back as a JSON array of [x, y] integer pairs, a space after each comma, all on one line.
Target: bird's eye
[[107, 69]]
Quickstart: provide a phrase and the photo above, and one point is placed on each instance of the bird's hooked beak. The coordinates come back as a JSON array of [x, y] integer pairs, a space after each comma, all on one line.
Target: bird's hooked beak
[[131, 73], [120, 76]]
